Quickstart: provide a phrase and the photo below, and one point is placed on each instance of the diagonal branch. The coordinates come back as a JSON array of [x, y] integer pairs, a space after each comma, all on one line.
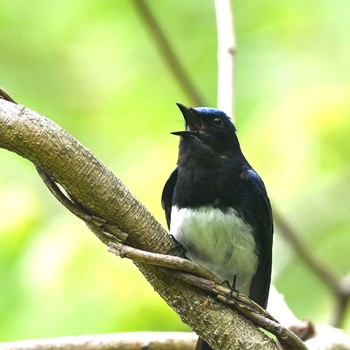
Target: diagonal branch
[[95, 189], [340, 291], [305, 254], [168, 53]]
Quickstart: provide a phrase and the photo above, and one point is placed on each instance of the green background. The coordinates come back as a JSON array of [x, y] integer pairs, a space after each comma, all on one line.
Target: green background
[[92, 67]]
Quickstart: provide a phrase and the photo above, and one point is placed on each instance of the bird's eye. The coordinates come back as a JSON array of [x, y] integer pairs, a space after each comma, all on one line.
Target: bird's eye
[[218, 122]]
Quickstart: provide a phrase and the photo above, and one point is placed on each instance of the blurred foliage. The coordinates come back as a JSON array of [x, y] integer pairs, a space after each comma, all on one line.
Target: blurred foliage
[[92, 68]]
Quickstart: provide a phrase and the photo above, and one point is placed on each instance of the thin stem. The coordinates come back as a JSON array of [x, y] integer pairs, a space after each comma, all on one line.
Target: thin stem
[[226, 55], [168, 261], [5, 96], [183, 269], [343, 302], [287, 338], [321, 270], [99, 226], [168, 52]]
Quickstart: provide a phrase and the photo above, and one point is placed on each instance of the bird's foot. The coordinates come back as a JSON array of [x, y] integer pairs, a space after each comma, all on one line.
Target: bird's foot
[[175, 247], [232, 287]]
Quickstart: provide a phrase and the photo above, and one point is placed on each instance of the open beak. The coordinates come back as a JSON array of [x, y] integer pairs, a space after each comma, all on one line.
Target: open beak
[[193, 123]]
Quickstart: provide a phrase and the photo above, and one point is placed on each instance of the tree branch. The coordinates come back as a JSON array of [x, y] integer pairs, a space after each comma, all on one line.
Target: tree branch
[[95, 189], [114, 341]]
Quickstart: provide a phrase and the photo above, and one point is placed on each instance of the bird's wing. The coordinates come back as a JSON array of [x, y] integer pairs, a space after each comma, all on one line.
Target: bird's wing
[[263, 233], [167, 195]]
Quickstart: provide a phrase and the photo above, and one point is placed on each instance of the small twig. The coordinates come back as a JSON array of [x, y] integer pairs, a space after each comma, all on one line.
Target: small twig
[[287, 338], [106, 232], [168, 261], [191, 273], [61, 197], [251, 311], [343, 302], [240, 300], [248, 308], [187, 271], [168, 52], [5, 96]]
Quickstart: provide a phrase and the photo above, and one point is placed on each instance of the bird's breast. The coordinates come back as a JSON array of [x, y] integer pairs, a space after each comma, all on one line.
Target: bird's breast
[[218, 240]]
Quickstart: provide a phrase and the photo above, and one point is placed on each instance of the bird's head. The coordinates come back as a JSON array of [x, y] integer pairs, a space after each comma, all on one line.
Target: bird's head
[[208, 128]]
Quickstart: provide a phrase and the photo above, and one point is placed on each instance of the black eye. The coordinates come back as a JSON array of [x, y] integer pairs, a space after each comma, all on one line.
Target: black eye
[[218, 122]]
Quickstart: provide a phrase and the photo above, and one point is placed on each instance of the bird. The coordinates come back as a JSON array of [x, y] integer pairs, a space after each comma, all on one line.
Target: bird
[[217, 207]]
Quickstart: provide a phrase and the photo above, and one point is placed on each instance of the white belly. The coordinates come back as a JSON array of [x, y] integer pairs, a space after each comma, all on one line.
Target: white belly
[[219, 241]]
